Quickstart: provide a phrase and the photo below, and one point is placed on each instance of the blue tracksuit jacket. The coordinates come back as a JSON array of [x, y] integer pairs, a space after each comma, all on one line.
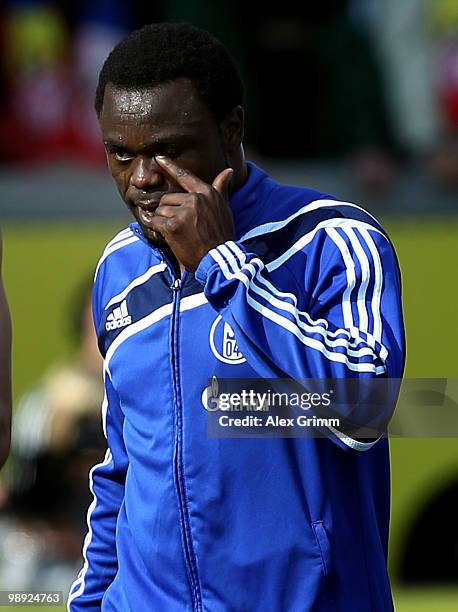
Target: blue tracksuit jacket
[[181, 521]]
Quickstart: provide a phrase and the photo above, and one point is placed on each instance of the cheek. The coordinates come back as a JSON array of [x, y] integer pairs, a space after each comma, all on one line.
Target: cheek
[[209, 169], [216, 161], [121, 178]]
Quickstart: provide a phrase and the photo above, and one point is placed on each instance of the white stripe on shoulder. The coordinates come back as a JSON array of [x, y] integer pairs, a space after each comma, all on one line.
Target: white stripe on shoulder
[[306, 238], [125, 233], [310, 326], [319, 326], [136, 282], [363, 322], [376, 299], [218, 255], [365, 230], [115, 247], [351, 276], [276, 225]]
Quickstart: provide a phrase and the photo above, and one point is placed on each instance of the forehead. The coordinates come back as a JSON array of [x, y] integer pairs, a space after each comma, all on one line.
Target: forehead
[[174, 104]]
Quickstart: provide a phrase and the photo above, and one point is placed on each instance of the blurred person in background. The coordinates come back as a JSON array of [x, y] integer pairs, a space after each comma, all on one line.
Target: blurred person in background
[[444, 18], [416, 43], [401, 39], [98, 25], [361, 76], [56, 438], [51, 55], [319, 54], [5, 370], [335, 107], [34, 62]]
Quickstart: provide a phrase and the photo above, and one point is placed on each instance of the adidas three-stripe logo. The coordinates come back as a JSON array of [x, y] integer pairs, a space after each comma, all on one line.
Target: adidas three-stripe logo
[[118, 318]]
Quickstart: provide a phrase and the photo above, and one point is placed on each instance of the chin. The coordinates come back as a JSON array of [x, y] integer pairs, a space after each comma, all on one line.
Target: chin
[[154, 237]]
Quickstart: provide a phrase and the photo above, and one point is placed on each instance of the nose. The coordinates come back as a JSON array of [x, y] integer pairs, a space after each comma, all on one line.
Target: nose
[[146, 174]]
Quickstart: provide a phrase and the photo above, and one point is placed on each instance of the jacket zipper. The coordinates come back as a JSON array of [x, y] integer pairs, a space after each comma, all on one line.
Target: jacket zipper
[[178, 455]]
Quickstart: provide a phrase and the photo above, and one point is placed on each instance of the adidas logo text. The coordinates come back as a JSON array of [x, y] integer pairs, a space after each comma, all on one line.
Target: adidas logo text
[[118, 318]]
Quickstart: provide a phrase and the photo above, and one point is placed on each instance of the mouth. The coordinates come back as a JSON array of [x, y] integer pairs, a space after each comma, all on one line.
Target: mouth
[[145, 215], [144, 209], [149, 204], [144, 212]]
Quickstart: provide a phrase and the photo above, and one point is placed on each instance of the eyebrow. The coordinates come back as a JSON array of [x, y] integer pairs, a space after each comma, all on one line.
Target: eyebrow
[[158, 142]]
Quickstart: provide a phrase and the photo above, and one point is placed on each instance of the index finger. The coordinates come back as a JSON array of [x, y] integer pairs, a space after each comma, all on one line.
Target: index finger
[[185, 178]]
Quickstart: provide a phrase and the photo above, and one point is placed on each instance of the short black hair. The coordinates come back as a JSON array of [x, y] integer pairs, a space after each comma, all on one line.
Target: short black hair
[[163, 52]]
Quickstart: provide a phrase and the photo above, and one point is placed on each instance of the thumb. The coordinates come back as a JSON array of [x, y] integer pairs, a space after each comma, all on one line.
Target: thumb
[[222, 182]]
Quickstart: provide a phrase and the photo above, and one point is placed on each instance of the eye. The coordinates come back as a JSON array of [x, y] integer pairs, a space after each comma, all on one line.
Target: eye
[[123, 156], [173, 152]]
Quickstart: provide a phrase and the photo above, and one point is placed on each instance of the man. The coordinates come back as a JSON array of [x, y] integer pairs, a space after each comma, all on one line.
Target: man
[[5, 371], [308, 286]]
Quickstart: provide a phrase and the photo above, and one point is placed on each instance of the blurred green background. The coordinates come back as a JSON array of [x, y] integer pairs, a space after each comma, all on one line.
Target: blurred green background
[[43, 264]]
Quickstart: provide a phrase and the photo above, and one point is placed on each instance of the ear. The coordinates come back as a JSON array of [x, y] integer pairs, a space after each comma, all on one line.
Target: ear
[[232, 128]]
